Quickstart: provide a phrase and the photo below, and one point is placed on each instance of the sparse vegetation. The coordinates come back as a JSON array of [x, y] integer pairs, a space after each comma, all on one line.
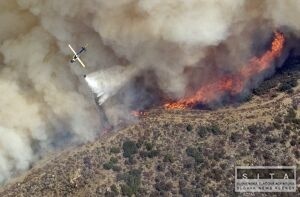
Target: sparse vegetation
[[175, 153]]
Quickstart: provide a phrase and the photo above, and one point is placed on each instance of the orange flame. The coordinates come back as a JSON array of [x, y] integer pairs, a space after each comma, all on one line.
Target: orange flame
[[235, 83]]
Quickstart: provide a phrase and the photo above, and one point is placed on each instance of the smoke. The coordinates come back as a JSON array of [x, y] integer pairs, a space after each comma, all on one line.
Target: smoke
[[172, 46]]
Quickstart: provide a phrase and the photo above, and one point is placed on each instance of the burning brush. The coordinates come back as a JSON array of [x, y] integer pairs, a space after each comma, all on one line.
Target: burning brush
[[234, 83]]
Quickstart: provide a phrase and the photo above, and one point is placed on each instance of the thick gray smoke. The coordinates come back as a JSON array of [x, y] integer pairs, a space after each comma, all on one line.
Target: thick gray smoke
[[46, 102]]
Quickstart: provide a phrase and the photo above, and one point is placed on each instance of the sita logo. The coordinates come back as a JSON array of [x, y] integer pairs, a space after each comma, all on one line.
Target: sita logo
[[245, 176], [265, 179]]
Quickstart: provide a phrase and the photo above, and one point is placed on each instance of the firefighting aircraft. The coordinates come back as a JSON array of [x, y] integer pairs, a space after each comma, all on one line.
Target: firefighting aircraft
[[77, 55]]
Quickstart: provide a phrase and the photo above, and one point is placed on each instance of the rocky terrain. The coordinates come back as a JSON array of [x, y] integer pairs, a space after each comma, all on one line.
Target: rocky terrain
[[179, 152]]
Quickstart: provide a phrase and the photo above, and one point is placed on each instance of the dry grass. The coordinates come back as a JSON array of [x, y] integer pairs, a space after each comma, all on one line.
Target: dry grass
[[174, 153]]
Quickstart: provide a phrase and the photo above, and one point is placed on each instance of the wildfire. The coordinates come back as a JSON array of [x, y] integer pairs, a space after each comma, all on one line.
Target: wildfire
[[235, 83]]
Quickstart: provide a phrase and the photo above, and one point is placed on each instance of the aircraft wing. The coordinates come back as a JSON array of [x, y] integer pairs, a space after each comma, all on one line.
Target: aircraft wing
[[79, 60], [72, 49]]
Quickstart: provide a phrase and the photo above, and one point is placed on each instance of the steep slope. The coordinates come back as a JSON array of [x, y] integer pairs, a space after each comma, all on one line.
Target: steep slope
[[178, 152]]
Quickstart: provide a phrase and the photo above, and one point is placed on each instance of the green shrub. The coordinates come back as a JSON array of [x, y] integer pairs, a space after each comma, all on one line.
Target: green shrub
[[264, 87], [132, 181], [113, 160], [153, 153], [139, 143], [108, 165], [111, 164], [291, 115], [115, 150], [270, 140], [149, 154], [212, 128], [116, 168], [113, 193], [296, 121], [189, 128], [196, 153], [168, 158], [162, 186], [149, 146], [293, 142], [283, 87], [129, 148], [215, 129], [202, 131], [234, 137], [253, 128], [114, 189]]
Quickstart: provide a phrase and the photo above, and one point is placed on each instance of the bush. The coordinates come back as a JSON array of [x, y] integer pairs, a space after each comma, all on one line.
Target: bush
[[114, 188], [196, 153], [129, 148], [168, 158], [291, 115], [115, 150], [153, 153], [114, 192], [189, 128], [253, 128], [264, 87], [270, 140], [276, 125], [108, 165], [296, 121], [148, 146], [131, 161], [113, 160], [139, 143], [283, 87], [288, 85], [191, 151], [116, 168], [278, 119], [132, 181], [111, 164], [202, 131], [215, 129], [293, 142], [143, 154], [234, 137], [162, 186]]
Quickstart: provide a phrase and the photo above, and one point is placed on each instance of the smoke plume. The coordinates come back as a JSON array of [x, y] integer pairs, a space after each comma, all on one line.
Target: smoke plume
[[136, 47]]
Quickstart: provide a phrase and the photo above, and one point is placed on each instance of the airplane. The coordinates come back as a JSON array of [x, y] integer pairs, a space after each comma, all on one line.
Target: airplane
[[77, 55]]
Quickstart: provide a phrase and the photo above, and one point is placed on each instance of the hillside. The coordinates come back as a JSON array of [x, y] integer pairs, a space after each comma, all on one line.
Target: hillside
[[179, 152]]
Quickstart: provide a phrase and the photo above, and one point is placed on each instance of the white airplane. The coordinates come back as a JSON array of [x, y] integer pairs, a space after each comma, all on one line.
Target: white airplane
[[77, 55]]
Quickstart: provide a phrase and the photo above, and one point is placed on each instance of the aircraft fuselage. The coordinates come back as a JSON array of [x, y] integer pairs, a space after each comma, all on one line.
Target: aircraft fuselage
[[78, 54]]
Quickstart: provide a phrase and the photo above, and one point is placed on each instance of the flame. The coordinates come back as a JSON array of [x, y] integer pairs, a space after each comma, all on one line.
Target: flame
[[235, 83]]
